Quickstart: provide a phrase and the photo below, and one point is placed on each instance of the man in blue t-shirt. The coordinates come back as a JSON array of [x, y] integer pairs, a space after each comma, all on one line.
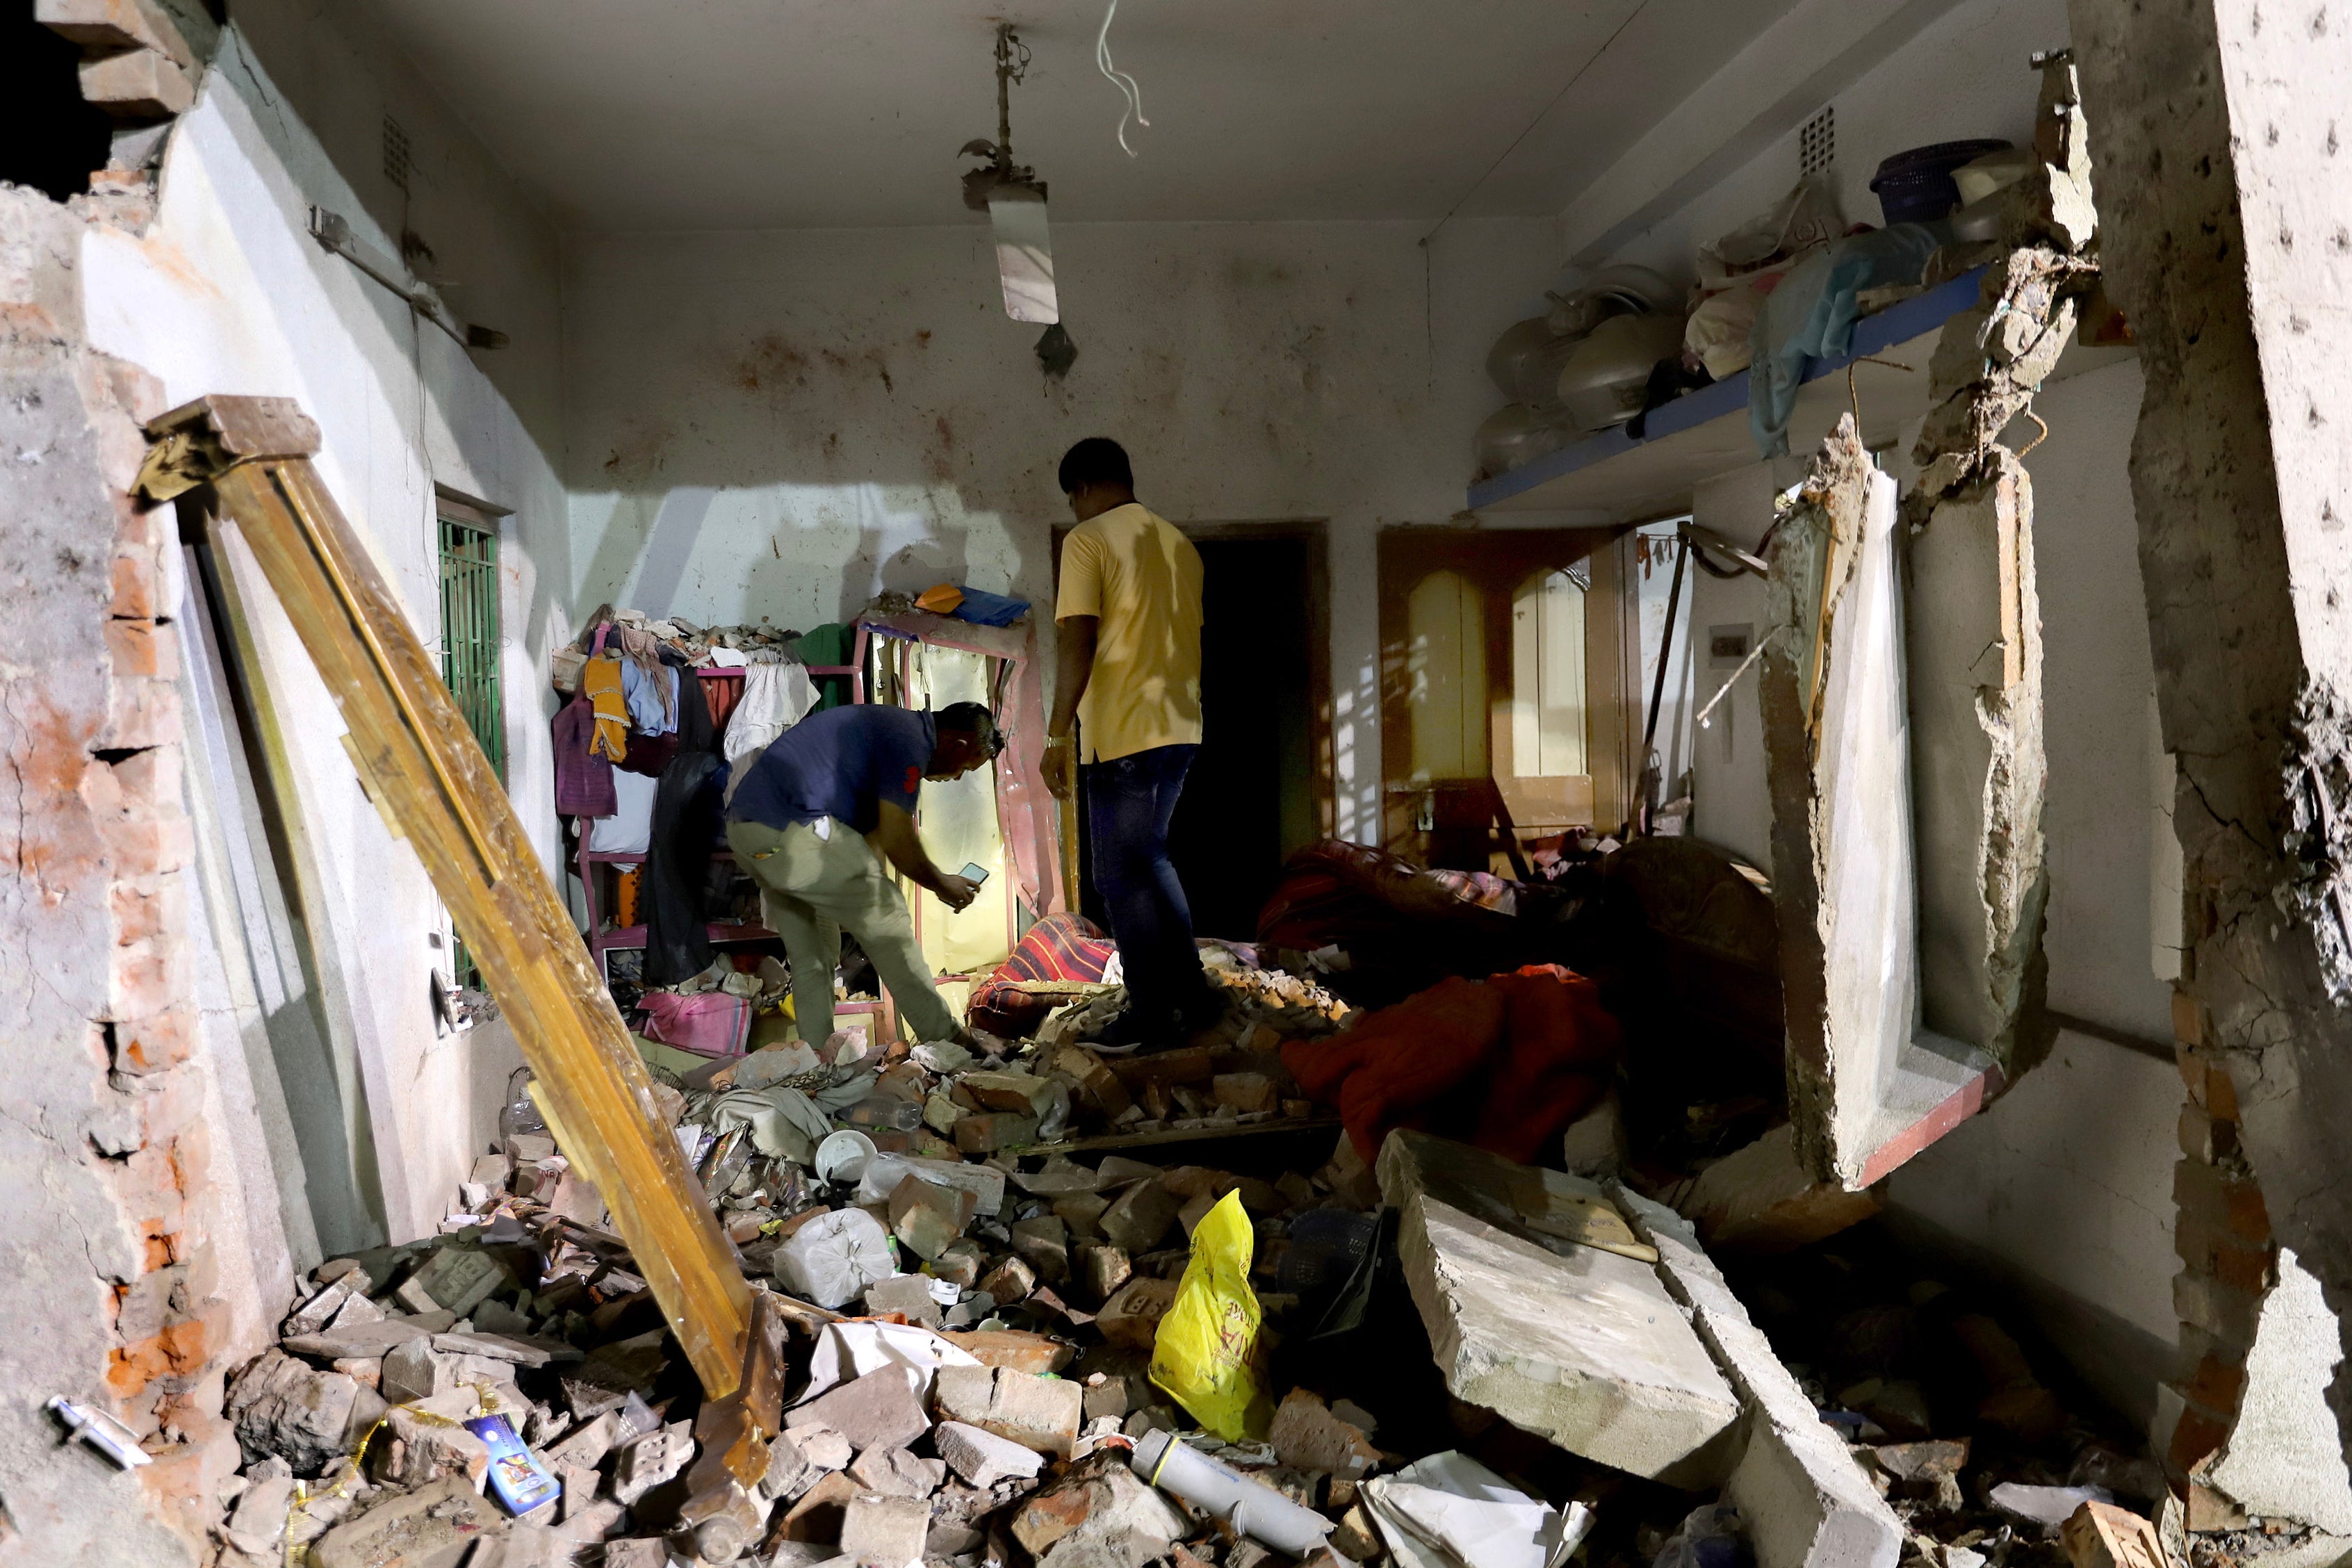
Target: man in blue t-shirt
[[816, 817]]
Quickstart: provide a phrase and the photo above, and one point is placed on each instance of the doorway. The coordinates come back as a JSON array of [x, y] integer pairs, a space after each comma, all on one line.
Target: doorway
[[1261, 788], [1503, 709]]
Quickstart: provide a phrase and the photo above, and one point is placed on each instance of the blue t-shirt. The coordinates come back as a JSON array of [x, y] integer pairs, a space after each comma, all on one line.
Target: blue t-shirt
[[842, 762]]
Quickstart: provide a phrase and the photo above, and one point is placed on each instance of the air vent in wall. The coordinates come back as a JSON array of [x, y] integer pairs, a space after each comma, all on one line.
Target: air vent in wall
[[1817, 143], [395, 152]]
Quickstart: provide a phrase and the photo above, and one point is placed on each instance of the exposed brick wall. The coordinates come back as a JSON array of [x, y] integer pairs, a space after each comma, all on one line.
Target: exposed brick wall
[[112, 1290], [2221, 1231]]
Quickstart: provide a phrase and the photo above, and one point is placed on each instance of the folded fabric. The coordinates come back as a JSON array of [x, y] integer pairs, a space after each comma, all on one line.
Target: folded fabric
[[985, 609], [651, 696], [628, 826], [726, 658], [1060, 947], [1504, 1064], [707, 1023], [776, 696], [600, 682], [785, 1123]]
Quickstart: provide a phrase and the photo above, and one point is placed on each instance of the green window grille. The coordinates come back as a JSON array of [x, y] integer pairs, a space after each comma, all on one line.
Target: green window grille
[[469, 633], [469, 655]]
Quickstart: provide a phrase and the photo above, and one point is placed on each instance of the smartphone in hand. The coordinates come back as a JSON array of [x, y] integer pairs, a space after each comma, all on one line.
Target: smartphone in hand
[[973, 873]]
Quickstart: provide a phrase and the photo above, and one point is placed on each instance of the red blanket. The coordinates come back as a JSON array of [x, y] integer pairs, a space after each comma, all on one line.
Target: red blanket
[[1505, 1063], [1060, 947]]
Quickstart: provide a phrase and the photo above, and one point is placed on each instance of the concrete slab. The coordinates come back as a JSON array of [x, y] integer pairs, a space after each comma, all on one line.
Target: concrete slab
[[1581, 1346], [1807, 1503]]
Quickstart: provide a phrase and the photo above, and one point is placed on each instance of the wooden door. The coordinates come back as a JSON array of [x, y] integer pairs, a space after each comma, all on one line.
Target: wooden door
[[1502, 671]]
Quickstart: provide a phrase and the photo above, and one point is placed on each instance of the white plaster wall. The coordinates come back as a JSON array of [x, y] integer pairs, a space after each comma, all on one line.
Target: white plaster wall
[[2062, 1188], [779, 424], [1965, 75], [227, 293]]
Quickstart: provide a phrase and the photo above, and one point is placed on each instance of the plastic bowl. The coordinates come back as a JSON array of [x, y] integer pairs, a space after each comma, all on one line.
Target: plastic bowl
[[842, 1156]]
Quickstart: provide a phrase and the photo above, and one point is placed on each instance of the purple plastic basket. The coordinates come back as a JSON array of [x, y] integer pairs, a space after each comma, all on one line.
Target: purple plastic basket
[[1916, 186]]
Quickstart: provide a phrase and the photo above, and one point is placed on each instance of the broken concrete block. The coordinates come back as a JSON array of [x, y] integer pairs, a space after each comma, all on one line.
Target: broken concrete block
[[884, 1531], [1595, 1142], [1306, 1433], [878, 1410], [823, 1448], [417, 1447], [2101, 1535], [1011, 1280], [928, 1216], [415, 1370], [280, 1407], [456, 1278], [1805, 1502], [432, 1524], [816, 1516], [367, 1337], [1024, 1094], [1099, 1516], [908, 1294], [586, 1445], [895, 1472], [493, 1170], [315, 1314], [1245, 1091], [643, 1463], [986, 1131], [1926, 1472], [1101, 1271], [1131, 1316], [1082, 1212], [1039, 1412], [637, 1551], [1759, 1200], [1013, 1350], [1141, 1216], [960, 1264], [983, 1457], [1043, 1243], [1583, 1347]]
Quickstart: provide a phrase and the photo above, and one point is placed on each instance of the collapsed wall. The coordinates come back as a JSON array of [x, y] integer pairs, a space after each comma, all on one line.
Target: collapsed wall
[[130, 1289]]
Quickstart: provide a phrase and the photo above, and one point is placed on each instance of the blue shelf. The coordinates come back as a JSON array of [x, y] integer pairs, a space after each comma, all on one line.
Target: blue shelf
[[1899, 323]]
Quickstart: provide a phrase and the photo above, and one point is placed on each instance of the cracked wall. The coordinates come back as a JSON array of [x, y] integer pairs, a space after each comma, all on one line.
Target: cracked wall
[[2226, 215], [128, 1283]]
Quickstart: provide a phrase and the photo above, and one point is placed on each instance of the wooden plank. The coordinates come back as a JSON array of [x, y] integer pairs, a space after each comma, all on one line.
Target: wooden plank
[[1111, 1141], [421, 763]]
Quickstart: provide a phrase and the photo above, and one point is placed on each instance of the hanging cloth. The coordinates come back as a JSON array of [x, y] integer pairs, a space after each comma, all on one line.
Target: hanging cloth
[[583, 779], [776, 696], [652, 697], [687, 825], [643, 649], [600, 683]]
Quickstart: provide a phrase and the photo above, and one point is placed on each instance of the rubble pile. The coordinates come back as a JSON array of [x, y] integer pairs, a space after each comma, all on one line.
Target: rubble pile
[[1017, 1341], [984, 1404], [1945, 1410]]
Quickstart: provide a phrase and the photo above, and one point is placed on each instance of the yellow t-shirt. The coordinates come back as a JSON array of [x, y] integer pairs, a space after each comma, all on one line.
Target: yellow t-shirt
[[1140, 579]]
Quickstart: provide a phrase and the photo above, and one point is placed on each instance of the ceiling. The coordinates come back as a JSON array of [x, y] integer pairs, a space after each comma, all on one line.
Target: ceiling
[[737, 114]]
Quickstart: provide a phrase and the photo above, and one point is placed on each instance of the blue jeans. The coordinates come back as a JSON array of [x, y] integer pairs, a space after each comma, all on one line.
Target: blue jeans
[[1130, 801]]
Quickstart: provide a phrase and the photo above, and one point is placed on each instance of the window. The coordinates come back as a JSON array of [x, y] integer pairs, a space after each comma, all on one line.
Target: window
[[1547, 733], [469, 648], [1446, 666], [469, 630]]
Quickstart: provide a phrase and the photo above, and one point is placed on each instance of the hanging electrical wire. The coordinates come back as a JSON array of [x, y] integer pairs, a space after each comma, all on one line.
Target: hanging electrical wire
[[1120, 80]]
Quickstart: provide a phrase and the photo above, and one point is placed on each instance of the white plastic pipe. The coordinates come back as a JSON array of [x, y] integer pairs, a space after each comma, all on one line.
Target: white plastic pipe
[[1254, 1508]]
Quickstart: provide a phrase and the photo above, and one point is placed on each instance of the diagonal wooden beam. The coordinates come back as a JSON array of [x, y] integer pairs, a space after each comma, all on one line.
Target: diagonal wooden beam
[[422, 764]]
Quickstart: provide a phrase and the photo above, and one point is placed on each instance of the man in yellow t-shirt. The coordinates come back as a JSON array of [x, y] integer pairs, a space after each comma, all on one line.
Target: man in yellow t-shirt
[[1128, 633]]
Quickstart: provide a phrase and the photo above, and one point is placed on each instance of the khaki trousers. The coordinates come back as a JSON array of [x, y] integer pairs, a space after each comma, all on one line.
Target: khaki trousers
[[810, 891]]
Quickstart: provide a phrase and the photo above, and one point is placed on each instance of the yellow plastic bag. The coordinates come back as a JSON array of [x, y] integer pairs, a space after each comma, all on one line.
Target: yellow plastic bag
[[1207, 1353]]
